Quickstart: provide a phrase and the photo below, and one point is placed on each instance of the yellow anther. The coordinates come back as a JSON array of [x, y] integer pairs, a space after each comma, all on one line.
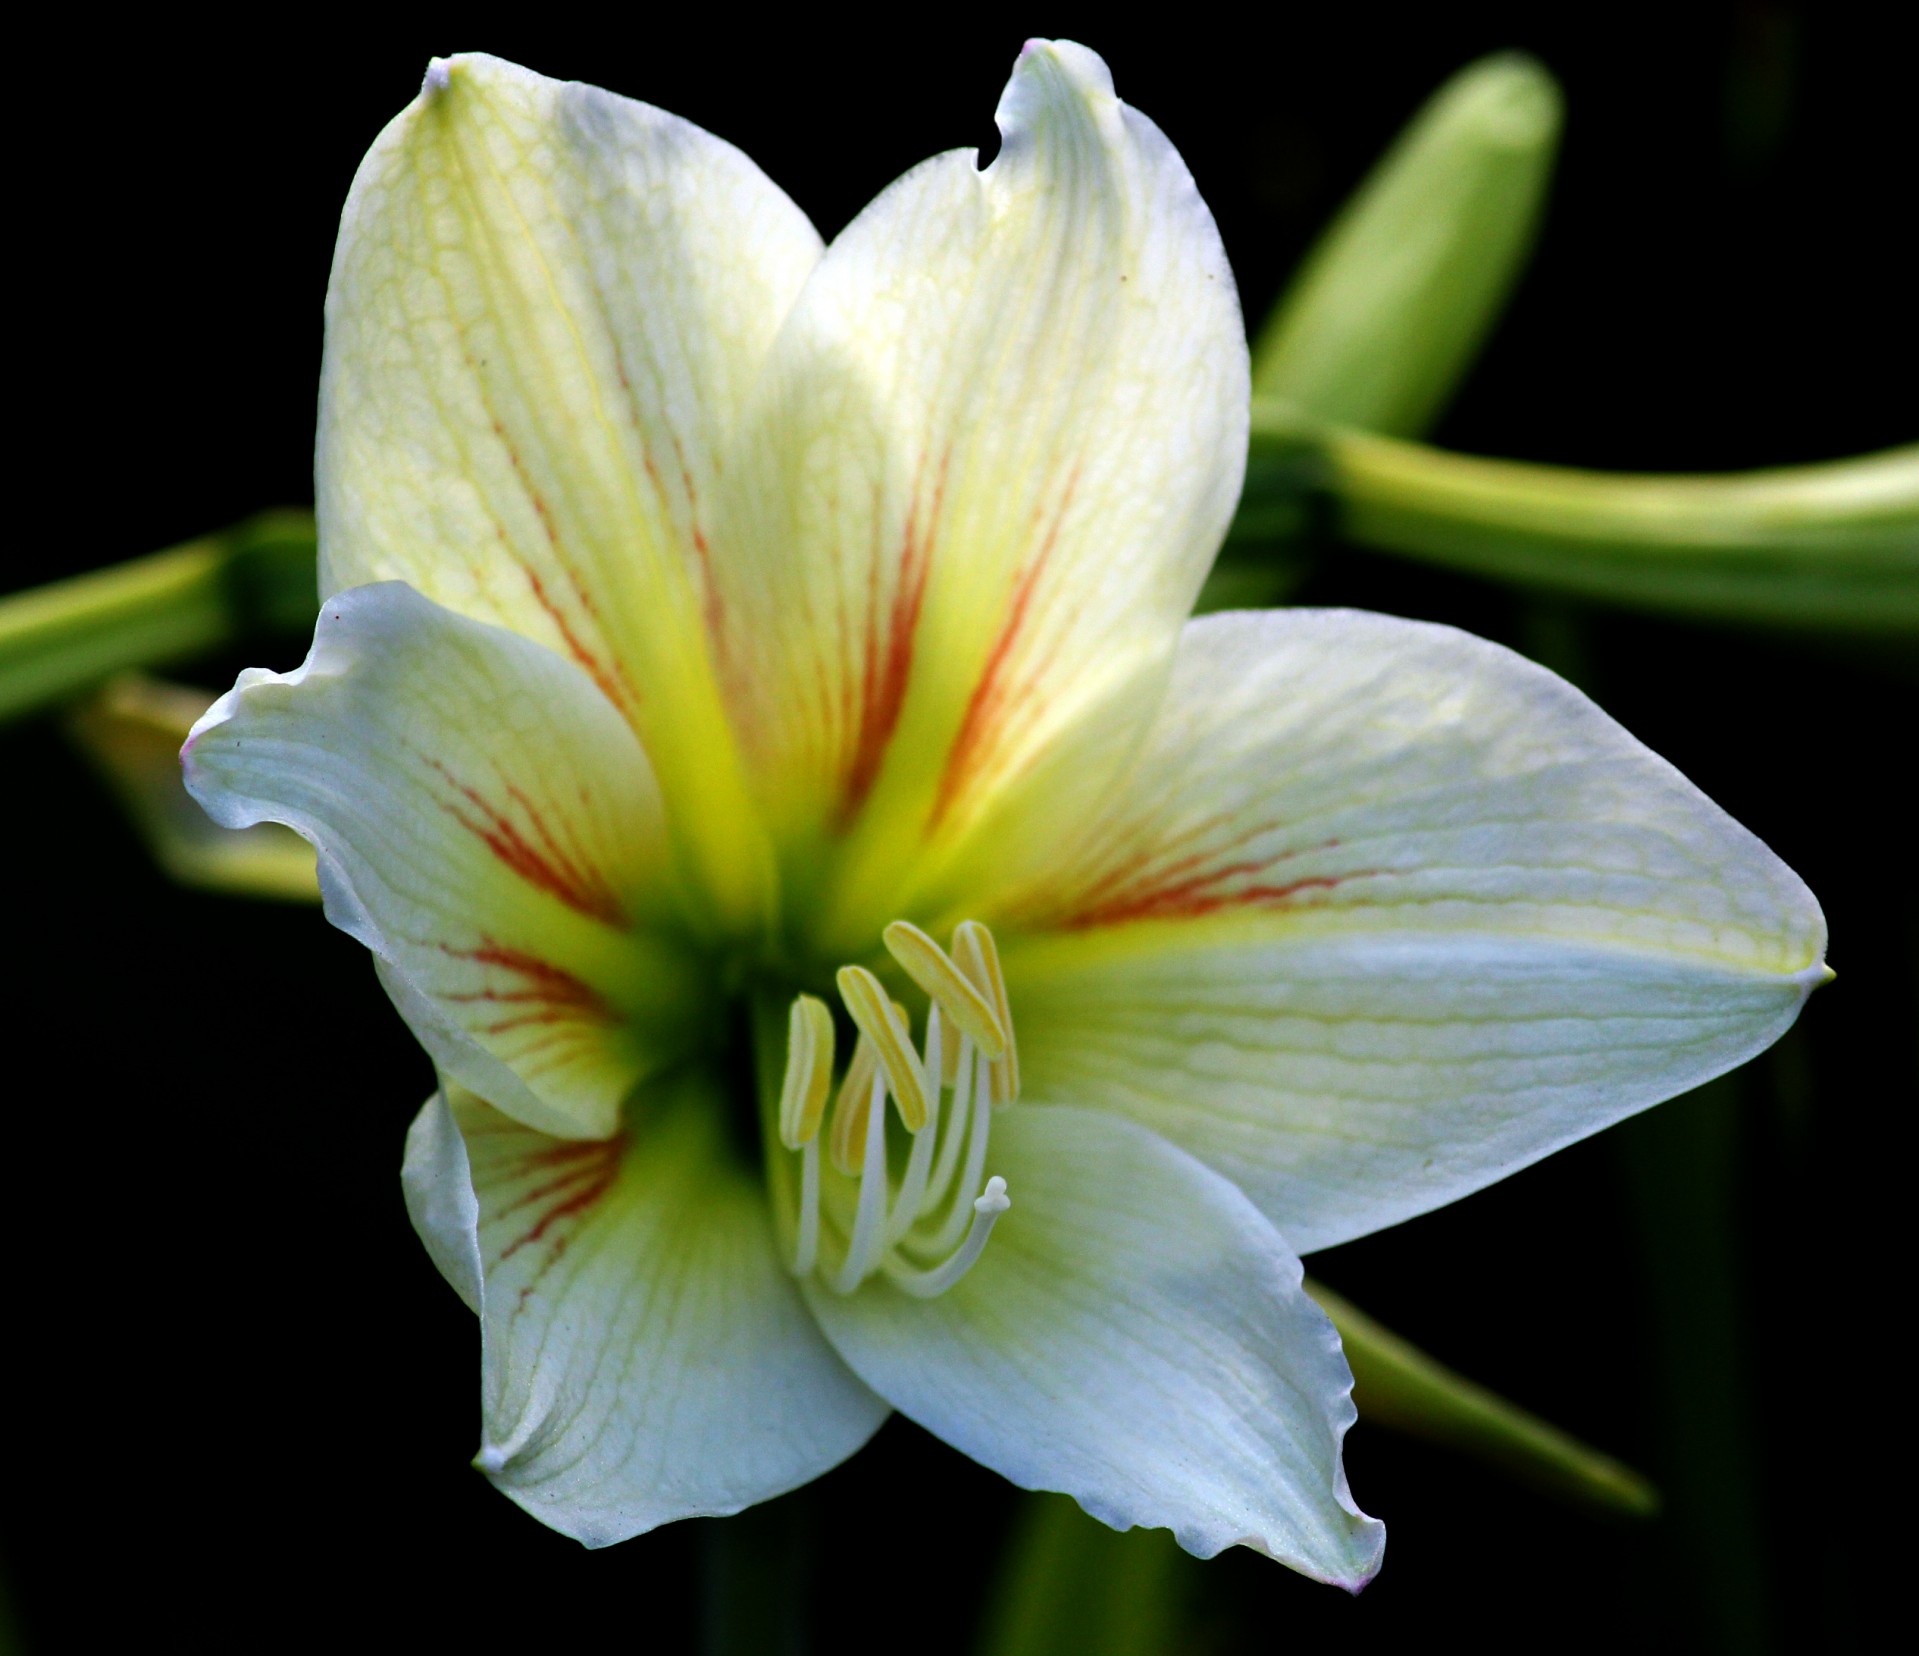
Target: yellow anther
[[809, 1070], [978, 958], [928, 965], [846, 1140], [885, 1026]]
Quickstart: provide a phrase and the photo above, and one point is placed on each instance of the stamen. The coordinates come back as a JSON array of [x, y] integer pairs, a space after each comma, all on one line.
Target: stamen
[[928, 965], [847, 1139], [978, 957], [806, 1248], [981, 1129], [869, 1221], [930, 1230], [912, 1196], [809, 1071], [879, 1019], [991, 1203], [958, 1120]]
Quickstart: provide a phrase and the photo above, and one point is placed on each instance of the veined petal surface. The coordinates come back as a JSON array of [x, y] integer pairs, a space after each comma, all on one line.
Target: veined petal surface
[[548, 304], [1135, 1335], [487, 824], [996, 446], [1383, 912], [645, 1357]]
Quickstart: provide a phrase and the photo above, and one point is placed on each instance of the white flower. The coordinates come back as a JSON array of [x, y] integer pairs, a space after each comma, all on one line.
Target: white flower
[[716, 623]]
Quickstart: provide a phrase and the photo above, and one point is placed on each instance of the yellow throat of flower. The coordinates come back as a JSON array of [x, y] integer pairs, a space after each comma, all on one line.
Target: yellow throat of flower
[[851, 1219]]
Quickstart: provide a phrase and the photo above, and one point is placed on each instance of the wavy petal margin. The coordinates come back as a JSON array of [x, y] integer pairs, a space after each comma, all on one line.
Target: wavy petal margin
[[645, 1356], [1135, 1335], [488, 826]]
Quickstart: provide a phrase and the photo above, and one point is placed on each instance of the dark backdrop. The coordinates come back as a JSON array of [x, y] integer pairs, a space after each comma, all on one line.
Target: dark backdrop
[[242, 1402]]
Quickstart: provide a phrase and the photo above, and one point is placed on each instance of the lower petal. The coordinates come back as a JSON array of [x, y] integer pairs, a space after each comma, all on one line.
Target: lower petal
[[1135, 1335], [644, 1355]]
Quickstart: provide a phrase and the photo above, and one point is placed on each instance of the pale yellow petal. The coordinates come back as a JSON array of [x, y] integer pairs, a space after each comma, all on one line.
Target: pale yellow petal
[[547, 307], [998, 442]]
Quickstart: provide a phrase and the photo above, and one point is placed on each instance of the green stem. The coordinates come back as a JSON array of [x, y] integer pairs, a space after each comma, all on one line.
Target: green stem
[[1396, 1384], [210, 593], [1068, 1584], [1824, 546], [755, 1568]]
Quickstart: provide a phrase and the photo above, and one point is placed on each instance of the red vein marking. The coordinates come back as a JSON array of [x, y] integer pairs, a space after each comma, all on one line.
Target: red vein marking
[[575, 647], [576, 1197], [889, 667], [550, 870], [992, 694], [1141, 875], [547, 985], [1192, 898]]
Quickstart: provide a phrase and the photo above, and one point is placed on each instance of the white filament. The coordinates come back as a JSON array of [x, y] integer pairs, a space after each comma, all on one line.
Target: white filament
[[929, 1196]]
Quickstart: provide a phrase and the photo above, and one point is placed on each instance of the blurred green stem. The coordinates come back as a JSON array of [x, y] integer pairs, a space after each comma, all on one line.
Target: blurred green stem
[[754, 1571], [210, 593], [1070, 1585], [1823, 546], [1396, 1384], [1680, 1166]]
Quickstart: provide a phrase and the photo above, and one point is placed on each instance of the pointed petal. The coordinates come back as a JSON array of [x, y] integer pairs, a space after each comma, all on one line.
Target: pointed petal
[[645, 1357], [488, 826], [1135, 1335], [998, 442], [546, 308], [1384, 913]]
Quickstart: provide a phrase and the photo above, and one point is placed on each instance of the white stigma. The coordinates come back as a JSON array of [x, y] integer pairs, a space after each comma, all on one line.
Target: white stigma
[[849, 1219]]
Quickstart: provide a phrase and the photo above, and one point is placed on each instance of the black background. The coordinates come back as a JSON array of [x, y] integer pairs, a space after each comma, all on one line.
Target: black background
[[241, 1401]]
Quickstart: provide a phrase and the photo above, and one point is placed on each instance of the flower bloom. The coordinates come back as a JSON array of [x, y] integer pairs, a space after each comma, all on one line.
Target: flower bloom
[[879, 953]]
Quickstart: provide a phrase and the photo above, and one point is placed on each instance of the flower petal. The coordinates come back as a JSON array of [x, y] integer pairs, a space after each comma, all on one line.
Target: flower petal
[[998, 442], [488, 826], [547, 306], [1136, 1336], [645, 1357], [1384, 912]]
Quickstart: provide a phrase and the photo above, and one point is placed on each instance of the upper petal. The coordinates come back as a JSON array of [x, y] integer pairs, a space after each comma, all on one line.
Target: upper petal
[[488, 826], [547, 307], [1384, 912], [993, 454], [645, 1356], [1135, 1335]]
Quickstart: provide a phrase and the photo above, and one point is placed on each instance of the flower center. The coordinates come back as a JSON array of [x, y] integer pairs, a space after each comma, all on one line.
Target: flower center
[[847, 1216]]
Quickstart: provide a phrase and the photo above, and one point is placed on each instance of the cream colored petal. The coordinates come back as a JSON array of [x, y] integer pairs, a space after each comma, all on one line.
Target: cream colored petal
[[1384, 912], [644, 1354], [547, 307], [997, 445], [487, 825]]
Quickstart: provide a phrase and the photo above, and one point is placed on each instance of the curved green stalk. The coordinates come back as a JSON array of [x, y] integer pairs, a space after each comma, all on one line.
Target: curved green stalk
[[1396, 1384], [211, 592], [1832, 546]]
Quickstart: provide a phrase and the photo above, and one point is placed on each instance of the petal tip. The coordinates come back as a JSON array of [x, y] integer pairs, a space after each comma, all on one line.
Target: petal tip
[[491, 1460], [438, 77]]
